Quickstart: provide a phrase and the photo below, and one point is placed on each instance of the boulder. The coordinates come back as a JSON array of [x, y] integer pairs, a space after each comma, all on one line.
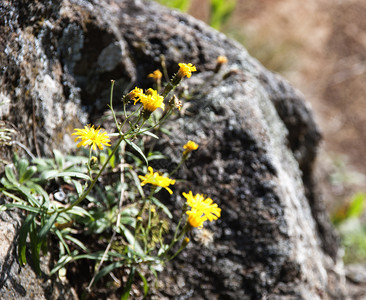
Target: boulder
[[257, 136]]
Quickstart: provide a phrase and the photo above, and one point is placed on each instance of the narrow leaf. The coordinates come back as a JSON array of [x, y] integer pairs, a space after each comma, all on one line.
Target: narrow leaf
[[76, 242], [47, 227], [68, 174], [22, 238], [62, 240], [137, 182], [112, 161], [151, 134], [79, 211], [146, 286], [106, 270], [137, 148], [127, 289], [9, 173], [35, 247], [60, 161], [27, 174], [22, 206], [61, 263], [162, 206], [78, 187], [131, 239]]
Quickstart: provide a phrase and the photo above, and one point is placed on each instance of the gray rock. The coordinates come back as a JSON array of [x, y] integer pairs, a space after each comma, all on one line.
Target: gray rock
[[257, 137]]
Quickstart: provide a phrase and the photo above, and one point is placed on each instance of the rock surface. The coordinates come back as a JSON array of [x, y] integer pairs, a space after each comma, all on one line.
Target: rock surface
[[257, 135]]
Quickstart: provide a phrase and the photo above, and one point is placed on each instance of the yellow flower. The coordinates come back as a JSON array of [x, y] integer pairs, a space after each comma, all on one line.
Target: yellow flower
[[201, 209], [90, 136], [221, 59], [155, 178], [196, 219], [186, 70], [190, 146], [157, 75], [136, 94], [152, 100]]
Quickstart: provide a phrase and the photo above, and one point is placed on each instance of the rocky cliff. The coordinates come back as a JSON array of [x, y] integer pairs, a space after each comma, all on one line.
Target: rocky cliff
[[257, 135]]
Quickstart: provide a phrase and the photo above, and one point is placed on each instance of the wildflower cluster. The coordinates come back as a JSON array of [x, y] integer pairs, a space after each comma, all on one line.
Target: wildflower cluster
[[141, 222]]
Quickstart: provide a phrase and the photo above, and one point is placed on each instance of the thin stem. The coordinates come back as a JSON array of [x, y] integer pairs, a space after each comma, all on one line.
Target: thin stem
[[181, 234], [118, 222], [112, 110], [177, 167], [157, 124], [88, 164], [137, 110]]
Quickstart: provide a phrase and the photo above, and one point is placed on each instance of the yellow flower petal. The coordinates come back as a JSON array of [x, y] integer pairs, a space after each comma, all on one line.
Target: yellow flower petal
[[201, 209], [156, 179], [156, 75], [186, 70], [152, 100], [189, 147], [91, 136]]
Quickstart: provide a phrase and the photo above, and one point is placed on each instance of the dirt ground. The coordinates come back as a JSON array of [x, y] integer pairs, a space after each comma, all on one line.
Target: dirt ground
[[320, 47]]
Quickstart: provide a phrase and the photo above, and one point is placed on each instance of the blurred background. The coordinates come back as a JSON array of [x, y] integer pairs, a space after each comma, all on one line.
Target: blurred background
[[320, 47]]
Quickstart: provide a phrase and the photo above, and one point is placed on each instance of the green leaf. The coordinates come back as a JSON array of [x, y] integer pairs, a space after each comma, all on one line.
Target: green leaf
[[127, 289], [356, 206], [62, 240], [137, 182], [146, 286], [79, 211], [22, 206], [182, 5], [106, 270], [99, 255], [137, 148], [35, 247], [162, 206], [151, 134], [76, 242], [67, 174], [128, 221], [22, 166], [24, 176], [60, 160], [61, 263], [40, 191], [29, 197], [78, 187], [156, 156], [22, 238], [9, 173], [112, 161], [131, 240], [16, 198], [42, 164], [47, 227]]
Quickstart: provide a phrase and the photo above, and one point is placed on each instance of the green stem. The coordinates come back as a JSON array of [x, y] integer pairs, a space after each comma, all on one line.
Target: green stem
[[177, 167], [175, 239], [137, 110], [112, 110], [157, 124]]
